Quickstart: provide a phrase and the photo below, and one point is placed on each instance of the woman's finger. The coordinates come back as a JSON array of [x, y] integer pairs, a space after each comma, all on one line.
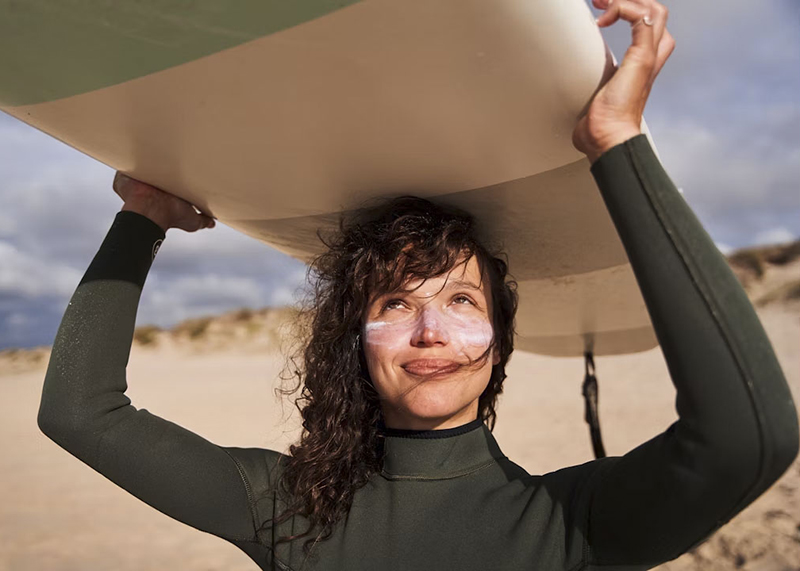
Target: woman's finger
[[206, 219], [642, 52], [119, 182], [639, 62], [627, 10], [659, 23], [124, 185], [658, 16], [205, 222], [665, 48], [192, 223]]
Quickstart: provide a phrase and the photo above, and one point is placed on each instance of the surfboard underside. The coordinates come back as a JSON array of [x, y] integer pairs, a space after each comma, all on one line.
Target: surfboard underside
[[276, 119]]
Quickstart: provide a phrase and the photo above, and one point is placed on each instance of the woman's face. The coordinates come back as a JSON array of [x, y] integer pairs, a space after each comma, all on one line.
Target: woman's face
[[415, 340]]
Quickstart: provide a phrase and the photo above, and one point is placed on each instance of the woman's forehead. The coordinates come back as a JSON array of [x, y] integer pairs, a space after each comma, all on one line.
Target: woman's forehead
[[466, 274], [463, 274]]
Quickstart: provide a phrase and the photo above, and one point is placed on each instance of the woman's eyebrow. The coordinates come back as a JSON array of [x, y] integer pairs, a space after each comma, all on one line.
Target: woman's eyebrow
[[460, 284], [450, 285]]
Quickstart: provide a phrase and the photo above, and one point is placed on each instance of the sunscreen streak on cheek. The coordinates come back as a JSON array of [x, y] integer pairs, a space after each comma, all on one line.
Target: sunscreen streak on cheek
[[384, 332], [470, 332]]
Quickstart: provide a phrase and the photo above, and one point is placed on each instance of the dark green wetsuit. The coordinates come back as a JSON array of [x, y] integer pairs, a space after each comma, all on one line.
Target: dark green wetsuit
[[450, 499]]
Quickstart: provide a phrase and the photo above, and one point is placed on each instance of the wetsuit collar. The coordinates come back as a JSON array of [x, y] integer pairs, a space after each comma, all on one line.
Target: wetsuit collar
[[438, 454]]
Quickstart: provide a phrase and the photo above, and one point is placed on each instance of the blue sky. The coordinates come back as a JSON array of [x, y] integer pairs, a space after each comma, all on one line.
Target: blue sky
[[724, 113]]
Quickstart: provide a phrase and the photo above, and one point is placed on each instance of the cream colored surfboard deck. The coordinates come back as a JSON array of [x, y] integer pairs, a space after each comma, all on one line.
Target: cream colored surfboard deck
[[276, 122]]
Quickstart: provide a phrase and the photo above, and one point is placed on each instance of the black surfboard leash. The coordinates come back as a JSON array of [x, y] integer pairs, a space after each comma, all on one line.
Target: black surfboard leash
[[592, 415]]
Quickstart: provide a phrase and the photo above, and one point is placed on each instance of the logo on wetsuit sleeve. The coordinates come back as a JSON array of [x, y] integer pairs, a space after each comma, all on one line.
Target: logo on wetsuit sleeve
[[156, 247]]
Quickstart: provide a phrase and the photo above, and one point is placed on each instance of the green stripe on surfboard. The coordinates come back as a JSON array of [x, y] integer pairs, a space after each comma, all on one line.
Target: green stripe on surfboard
[[50, 49]]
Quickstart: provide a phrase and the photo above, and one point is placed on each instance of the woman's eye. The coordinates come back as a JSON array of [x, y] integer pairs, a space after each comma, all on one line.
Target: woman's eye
[[462, 299], [392, 304]]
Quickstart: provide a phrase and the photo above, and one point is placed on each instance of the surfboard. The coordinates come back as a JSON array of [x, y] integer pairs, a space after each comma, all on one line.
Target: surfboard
[[275, 117]]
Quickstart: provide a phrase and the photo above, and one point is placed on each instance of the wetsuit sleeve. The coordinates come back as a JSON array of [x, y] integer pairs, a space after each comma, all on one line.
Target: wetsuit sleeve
[[84, 408], [737, 430]]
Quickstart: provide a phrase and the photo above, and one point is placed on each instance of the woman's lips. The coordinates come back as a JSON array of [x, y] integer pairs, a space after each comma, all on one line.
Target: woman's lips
[[429, 367]]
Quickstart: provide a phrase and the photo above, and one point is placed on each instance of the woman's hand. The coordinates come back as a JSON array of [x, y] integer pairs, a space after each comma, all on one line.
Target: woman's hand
[[615, 113], [166, 210]]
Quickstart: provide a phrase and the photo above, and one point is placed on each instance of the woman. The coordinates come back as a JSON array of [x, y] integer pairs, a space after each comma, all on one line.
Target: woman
[[413, 326]]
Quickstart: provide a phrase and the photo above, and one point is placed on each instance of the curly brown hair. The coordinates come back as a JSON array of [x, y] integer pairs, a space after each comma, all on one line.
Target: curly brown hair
[[372, 253]]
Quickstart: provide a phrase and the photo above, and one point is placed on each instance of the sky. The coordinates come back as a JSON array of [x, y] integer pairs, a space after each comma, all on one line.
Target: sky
[[724, 114]]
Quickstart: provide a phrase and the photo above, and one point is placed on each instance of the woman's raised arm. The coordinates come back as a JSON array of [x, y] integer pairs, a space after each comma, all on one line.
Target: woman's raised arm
[[737, 430], [84, 408]]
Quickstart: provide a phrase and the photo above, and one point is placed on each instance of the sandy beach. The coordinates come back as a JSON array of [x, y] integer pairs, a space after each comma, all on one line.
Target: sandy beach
[[60, 515]]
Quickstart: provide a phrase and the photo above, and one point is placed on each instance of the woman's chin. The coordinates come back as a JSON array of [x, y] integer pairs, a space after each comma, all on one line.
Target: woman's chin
[[431, 412]]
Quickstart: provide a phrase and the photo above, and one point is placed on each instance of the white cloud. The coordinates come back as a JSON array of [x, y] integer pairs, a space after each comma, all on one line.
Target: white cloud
[[8, 227], [215, 287], [738, 183], [724, 248], [219, 241], [730, 172], [165, 303], [18, 320], [28, 276], [283, 296], [775, 236]]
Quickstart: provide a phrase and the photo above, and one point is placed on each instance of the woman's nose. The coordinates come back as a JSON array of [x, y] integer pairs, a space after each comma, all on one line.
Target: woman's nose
[[430, 330]]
